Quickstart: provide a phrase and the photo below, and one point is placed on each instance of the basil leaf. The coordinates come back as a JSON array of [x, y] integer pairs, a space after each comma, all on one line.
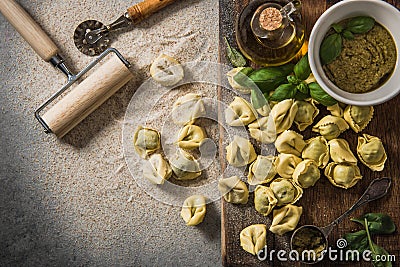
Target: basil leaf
[[293, 80], [320, 95], [284, 91], [234, 56], [302, 69], [242, 76], [331, 48], [300, 96], [379, 253], [357, 241], [348, 35], [337, 27], [360, 24], [268, 79], [362, 240], [257, 99], [378, 223], [286, 69], [303, 88]]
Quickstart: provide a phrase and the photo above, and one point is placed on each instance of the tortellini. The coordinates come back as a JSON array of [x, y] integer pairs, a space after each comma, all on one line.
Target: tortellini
[[286, 191], [371, 152], [157, 169], [285, 219], [339, 150], [254, 238], [306, 113], [310, 79], [283, 115], [234, 84], [262, 170], [290, 142], [335, 110], [185, 166], [191, 136], [263, 130], [285, 164], [240, 152], [187, 109], [234, 190], [146, 141], [240, 112], [194, 210], [306, 173], [166, 70], [358, 117], [330, 127], [264, 110], [344, 175], [317, 149], [264, 200]]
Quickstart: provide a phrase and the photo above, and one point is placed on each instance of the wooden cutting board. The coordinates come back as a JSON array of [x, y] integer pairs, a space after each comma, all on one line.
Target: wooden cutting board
[[324, 202]]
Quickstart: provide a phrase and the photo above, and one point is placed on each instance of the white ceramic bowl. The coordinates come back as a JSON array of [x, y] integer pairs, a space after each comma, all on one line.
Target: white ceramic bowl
[[383, 13]]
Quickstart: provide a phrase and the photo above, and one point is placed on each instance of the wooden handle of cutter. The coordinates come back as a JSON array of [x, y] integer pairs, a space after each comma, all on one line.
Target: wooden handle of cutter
[[29, 29], [87, 96], [144, 9]]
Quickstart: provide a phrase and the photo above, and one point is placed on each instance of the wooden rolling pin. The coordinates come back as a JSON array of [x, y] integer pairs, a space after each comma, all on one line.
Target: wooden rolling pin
[[84, 98], [93, 91]]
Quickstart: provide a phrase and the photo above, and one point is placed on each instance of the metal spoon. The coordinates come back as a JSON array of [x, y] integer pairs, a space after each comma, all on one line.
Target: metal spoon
[[377, 189]]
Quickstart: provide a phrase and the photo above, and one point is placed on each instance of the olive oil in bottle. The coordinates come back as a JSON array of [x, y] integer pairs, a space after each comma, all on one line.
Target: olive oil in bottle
[[271, 32]]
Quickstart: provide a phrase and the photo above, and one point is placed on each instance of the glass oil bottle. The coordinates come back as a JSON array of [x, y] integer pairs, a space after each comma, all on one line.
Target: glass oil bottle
[[271, 32]]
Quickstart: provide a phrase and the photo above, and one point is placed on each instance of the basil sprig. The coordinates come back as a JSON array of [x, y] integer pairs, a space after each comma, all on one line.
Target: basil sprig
[[373, 223], [286, 82], [234, 56], [297, 88], [267, 79], [331, 46]]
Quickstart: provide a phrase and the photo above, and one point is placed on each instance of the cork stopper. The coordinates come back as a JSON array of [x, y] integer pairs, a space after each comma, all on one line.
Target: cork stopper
[[270, 19]]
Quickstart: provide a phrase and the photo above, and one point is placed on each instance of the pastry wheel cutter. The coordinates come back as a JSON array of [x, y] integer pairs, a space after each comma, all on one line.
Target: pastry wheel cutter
[[91, 37]]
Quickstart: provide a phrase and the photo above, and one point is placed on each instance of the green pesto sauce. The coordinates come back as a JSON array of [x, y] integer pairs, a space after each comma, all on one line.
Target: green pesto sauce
[[365, 63]]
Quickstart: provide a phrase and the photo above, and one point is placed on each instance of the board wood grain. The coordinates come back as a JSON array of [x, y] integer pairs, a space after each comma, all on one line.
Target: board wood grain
[[323, 203]]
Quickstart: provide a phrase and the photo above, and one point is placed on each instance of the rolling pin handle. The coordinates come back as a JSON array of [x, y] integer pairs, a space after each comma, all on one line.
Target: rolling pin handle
[[146, 8], [28, 29]]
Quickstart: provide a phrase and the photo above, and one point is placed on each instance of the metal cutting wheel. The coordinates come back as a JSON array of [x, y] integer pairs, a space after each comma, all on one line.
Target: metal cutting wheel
[[84, 45]]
